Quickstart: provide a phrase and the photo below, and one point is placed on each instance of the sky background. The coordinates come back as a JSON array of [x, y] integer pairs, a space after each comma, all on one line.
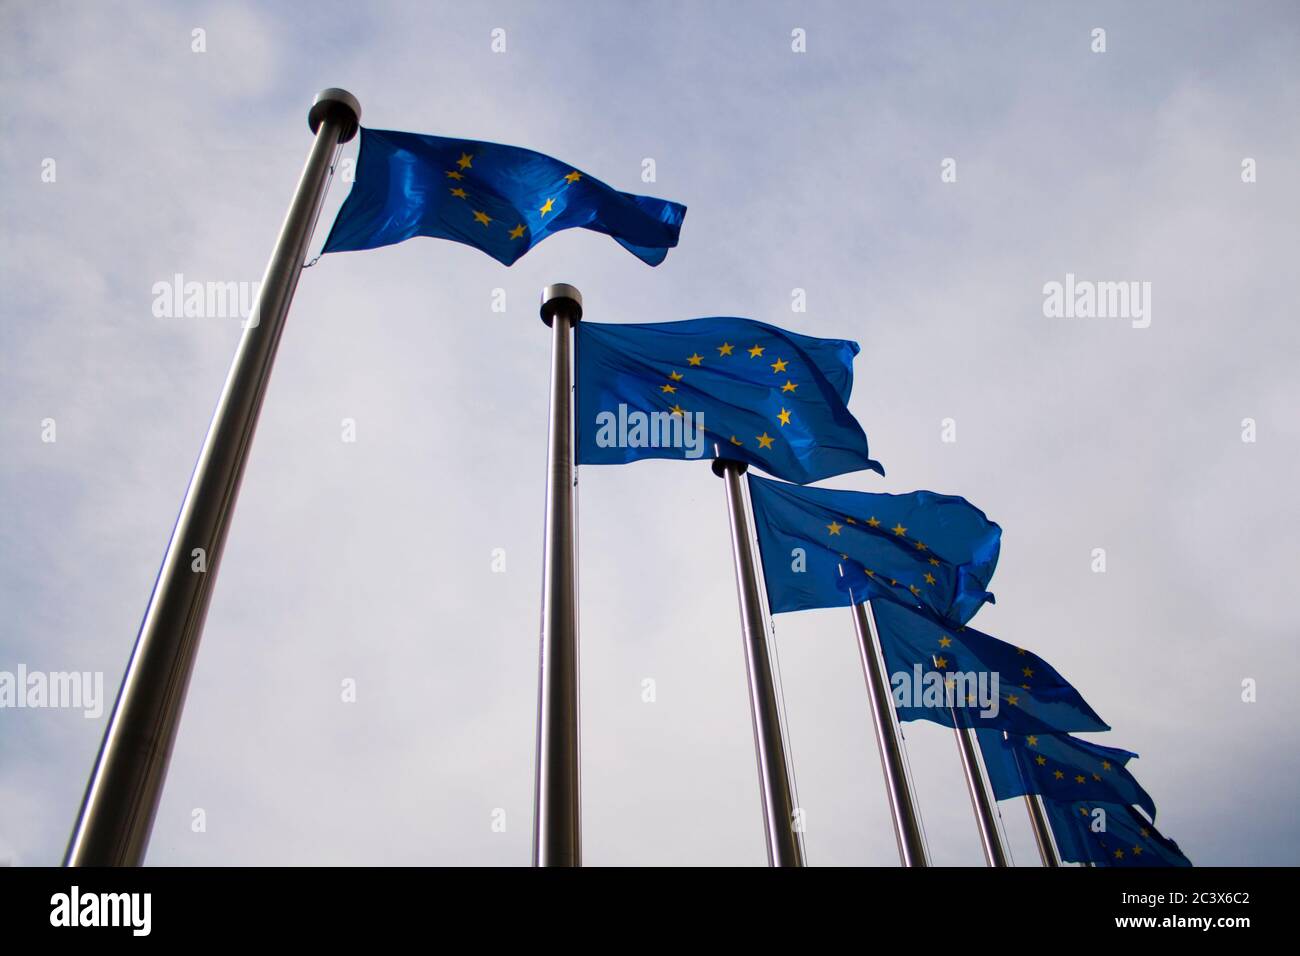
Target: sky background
[[372, 560]]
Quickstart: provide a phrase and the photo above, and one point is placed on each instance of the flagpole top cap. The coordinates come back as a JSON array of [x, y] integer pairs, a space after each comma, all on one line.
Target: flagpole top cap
[[561, 297], [339, 105], [720, 465]]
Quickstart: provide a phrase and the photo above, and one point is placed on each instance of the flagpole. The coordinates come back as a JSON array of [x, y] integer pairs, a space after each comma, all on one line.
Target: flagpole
[[557, 817], [784, 847], [977, 786], [126, 784], [1042, 830], [902, 804]]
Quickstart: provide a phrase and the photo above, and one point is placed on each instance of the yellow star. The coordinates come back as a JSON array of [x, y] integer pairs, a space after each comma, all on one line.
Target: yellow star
[[483, 218], [870, 573], [1058, 775], [1027, 671], [1080, 778], [518, 231], [941, 662], [1119, 854], [899, 530], [945, 641], [1020, 650], [914, 589], [1013, 700], [779, 365], [1024, 687], [677, 410], [873, 521], [725, 348], [459, 193], [1096, 776], [696, 359], [784, 417], [920, 546], [834, 527], [935, 562], [764, 441], [574, 176], [735, 440], [464, 161], [675, 376], [1040, 760], [929, 578], [667, 389], [1105, 765], [1137, 851], [849, 520], [789, 387], [453, 174], [1145, 832], [1031, 740], [547, 206], [756, 351]]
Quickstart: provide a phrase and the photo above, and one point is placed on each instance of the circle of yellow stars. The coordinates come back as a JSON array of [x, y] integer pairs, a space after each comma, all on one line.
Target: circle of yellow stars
[[465, 162]]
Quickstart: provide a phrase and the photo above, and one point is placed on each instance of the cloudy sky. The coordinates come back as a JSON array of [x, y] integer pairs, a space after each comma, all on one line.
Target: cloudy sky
[[372, 560]]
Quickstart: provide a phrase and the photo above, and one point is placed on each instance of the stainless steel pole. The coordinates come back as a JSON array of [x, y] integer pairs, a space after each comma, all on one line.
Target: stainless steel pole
[[126, 784], [557, 811], [784, 847], [902, 805], [1042, 831], [980, 800]]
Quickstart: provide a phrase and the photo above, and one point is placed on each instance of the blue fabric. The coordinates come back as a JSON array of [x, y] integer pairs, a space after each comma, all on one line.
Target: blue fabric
[[1116, 836], [764, 396], [500, 199], [826, 548], [1064, 769], [1031, 696]]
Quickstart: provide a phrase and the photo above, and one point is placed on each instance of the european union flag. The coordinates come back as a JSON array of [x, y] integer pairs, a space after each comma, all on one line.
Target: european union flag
[[1061, 768], [826, 548], [501, 199], [936, 668], [1109, 834], [765, 396]]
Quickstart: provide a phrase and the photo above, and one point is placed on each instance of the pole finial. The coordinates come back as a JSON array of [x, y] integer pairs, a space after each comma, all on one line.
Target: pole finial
[[720, 464], [559, 296], [337, 104]]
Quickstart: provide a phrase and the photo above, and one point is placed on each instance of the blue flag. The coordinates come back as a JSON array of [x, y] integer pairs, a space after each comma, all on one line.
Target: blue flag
[[501, 199], [760, 394], [826, 548], [936, 668], [1061, 768], [1109, 834]]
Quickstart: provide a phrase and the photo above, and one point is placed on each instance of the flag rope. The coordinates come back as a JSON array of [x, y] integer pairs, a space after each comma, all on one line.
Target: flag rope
[[329, 179]]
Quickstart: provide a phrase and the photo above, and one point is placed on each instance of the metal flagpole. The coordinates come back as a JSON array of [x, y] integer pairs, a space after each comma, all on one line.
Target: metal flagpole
[[1042, 831], [126, 784], [557, 812], [977, 786], [902, 805], [783, 843]]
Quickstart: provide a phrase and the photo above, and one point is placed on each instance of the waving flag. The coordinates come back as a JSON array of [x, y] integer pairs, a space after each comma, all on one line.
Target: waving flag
[[969, 670], [1109, 834], [826, 548], [718, 387], [501, 199], [1061, 768]]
